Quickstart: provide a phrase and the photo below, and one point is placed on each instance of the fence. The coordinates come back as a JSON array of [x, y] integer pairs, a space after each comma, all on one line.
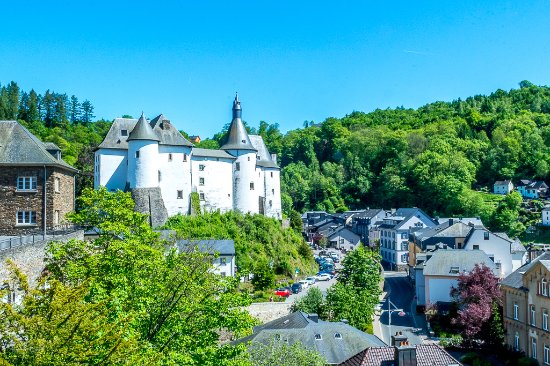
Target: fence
[[23, 240]]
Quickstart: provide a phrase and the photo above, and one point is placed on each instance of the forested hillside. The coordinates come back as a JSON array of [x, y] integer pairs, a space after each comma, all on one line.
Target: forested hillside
[[438, 157]]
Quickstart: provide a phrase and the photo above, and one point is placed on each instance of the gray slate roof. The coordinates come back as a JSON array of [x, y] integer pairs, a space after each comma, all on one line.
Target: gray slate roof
[[298, 327], [265, 160], [444, 230], [502, 182], [18, 146], [168, 134], [367, 214], [223, 247], [210, 153], [515, 279], [426, 355], [143, 131], [237, 137], [443, 259]]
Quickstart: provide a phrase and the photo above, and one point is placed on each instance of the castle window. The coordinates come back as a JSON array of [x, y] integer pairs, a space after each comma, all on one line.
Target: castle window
[[476, 247], [201, 167], [273, 191], [270, 203], [251, 186], [56, 185], [201, 181], [123, 132], [26, 183], [160, 176], [249, 158], [180, 195], [26, 217], [201, 196], [184, 157], [137, 154], [170, 157], [237, 166], [257, 157], [271, 174]]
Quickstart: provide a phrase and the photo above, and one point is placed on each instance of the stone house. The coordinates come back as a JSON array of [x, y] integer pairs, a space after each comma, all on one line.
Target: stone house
[[526, 303], [37, 188]]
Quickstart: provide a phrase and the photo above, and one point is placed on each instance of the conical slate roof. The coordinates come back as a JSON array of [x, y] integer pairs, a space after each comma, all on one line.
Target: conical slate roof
[[237, 138], [143, 131]]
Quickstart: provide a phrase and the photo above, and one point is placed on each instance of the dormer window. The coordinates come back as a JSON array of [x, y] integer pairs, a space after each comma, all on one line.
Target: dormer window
[[243, 141], [486, 235], [454, 270], [318, 337], [123, 132], [337, 336]]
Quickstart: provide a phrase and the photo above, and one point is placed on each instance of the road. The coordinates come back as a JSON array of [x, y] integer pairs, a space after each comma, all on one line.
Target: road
[[401, 294]]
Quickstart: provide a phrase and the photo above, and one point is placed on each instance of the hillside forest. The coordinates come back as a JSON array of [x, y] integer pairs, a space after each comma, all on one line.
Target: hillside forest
[[442, 157]]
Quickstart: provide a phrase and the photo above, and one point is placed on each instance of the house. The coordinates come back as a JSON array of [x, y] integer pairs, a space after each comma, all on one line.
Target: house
[[195, 139], [162, 169], [546, 216], [37, 187], [394, 235], [435, 277], [503, 187], [526, 303], [336, 341], [365, 222], [344, 238], [223, 250], [508, 254], [401, 353], [532, 188], [451, 233]]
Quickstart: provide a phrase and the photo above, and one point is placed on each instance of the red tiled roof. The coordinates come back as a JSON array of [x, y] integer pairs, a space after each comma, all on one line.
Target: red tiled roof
[[426, 355]]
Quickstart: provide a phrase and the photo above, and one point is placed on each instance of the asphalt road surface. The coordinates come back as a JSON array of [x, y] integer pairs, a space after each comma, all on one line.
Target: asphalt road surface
[[401, 294]]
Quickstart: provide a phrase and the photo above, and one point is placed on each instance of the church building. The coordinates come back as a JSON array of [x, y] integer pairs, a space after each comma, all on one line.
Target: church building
[[161, 169]]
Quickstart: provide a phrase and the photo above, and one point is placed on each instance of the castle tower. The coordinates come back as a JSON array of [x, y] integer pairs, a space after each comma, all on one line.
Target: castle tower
[[245, 191], [143, 152]]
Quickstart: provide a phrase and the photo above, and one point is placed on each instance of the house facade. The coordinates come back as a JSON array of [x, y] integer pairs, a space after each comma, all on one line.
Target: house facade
[[37, 187], [532, 188], [365, 222], [344, 238], [394, 235], [546, 216], [223, 252], [526, 305], [503, 187], [162, 169]]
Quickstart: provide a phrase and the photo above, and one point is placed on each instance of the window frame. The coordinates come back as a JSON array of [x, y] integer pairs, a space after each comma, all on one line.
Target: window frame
[[545, 319], [28, 218], [251, 186], [201, 167], [170, 157], [533, 312], [516, 311], [26, 183], [56, 184], [201, 181], [179, 194]]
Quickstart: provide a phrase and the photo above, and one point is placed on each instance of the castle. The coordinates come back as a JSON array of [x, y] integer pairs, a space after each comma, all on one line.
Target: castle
[[161, 169]]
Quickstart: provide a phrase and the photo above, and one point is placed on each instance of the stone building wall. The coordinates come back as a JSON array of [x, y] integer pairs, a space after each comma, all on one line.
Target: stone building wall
[[12, 200]]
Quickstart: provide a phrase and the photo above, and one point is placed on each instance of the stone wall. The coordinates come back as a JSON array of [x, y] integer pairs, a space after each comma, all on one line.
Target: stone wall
[[12, 200], [30, 258], [268, 311], [149, 201]]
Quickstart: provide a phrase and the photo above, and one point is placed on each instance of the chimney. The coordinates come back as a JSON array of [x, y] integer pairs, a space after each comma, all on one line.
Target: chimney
[[405, 355], [451, 222], [398, 339], [313, 317], [274, 158]]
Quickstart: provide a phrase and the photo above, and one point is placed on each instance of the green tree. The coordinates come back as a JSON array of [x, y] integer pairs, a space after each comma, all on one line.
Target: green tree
[[87, 111], [264, 278], [283, 354], [312, 302], [296, 221]]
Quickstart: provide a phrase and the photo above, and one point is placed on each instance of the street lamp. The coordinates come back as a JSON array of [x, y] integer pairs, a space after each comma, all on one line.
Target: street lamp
[[390, 312]]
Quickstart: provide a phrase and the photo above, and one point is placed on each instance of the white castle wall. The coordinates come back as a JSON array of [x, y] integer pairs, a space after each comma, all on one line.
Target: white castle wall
[[143, 171], [245, 199], [218, 177], [110, 169], [175, 176], [273, 193]]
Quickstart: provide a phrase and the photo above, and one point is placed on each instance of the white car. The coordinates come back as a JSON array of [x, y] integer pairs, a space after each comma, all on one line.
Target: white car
[[304, 283], [311, 280], [323, 277]]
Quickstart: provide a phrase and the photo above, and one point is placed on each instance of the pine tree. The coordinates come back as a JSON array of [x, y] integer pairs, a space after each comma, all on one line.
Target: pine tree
[[33, 111], [60, 110], [87, 111], [3, 103], [74, 110], [47, 105], [23, 111], [12, 96]]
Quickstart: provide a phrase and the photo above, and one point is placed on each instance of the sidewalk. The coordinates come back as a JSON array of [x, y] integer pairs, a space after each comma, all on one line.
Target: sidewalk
[[376, 325]]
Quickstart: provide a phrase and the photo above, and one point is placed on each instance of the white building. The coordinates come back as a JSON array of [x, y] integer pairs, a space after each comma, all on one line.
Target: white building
[[503, 187], [546, 216], [223, 251], [161, 168]]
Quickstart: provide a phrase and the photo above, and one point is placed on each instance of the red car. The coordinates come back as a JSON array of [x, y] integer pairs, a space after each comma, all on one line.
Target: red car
[[283, 292]]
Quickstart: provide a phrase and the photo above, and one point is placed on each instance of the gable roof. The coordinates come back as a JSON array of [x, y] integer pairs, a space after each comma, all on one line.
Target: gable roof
[[444, 230], [515, 279], [264, 160], [443, 259], [168, 134], [346, 233], [426, 355], [368, 214], [502, 182], [408, 213], [223, 247], [18, 146], [301, 327]]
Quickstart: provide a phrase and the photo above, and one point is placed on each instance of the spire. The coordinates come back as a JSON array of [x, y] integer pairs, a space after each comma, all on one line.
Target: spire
[[237, 137], [143, 131]]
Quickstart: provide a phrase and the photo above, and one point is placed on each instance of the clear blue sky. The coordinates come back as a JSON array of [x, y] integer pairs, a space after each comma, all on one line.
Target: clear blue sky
[[290, 61]]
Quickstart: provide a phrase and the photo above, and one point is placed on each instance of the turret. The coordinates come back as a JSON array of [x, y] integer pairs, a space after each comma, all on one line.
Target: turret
[[143, 155], [246, 193]]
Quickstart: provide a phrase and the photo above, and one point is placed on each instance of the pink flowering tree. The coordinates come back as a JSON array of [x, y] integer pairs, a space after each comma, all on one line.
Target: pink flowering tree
[[477, 294]]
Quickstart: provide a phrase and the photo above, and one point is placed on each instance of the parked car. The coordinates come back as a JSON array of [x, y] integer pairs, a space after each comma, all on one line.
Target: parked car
[[304, 283], [283, 292], [296, 287], [324, 277], [311, 280], [325, 273]]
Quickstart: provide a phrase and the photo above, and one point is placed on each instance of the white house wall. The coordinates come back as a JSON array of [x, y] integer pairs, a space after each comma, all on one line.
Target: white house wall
[[175, 176], [218, 177], [438, 288], [227, 269], [273, 193], [494, 247], [110, 169]]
